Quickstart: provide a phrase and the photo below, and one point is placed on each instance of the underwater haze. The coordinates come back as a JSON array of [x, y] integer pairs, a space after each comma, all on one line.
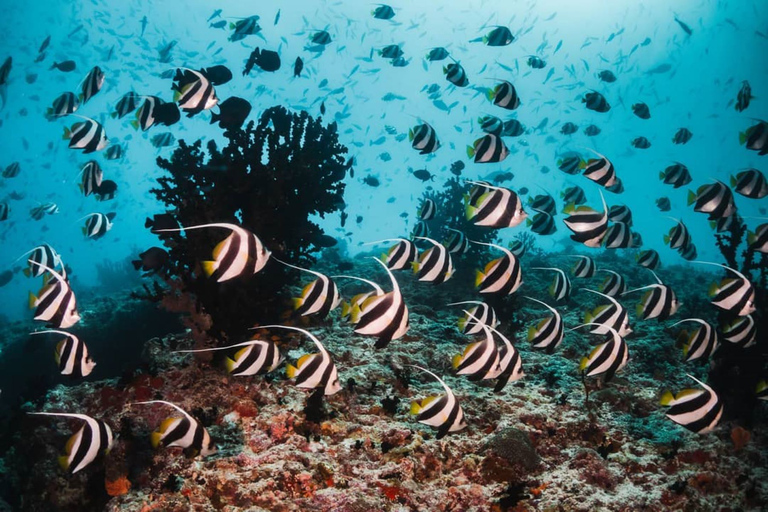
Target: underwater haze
[[586, 177]]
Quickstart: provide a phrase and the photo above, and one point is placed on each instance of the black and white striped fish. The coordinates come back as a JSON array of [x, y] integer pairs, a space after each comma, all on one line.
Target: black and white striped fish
[[756, 137], [606, 359], [91, 84], [600, 170], [421, 229], [701, 342], [489, 148], [359, 299], [40, 258], [736, 296], [401, 255], [93, 438], [442, 411], [384, 315], [716, 199], [312, 371], [71, 355], [504, 95], [596, 101], [509, 365], [55, 303], [750, 183], [698, 410], [319, 297], [146, 113], [256, 357], [741, 331], [491, 124], [637, 240], [87, 135], [678, 237], [114, 152], [584, 268], [689, 252], [12, 170], [547, 334], [542, 223], [571, 163], [457, 242], [618, 236], [480, 359], [659, 301], [726, 224], [97, 224], [518, 247], [185, 432], [613, 285], [560, 289], [676, 175], [5, 209], [423, 139], [498, 207], [620, 213], [757, 240], [435, 264], [573, 195], [454, 73], [501, 276], [193, 91], [127, 104], [427, 209], [481, 313], [649, 259], [67, 103], [543, 202], [40, 211], [588, 226], [240, 254], [92, 176], [608, 316]]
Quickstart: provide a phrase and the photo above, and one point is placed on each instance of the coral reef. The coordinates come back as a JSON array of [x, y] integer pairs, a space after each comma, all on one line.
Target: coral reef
[[270, 178]]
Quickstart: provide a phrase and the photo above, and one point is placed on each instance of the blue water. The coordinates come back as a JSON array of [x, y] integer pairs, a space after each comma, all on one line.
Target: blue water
[[707, 68]]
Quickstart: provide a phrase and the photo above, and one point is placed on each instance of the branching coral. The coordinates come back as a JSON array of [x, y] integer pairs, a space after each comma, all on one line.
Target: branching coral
[[270, 178]]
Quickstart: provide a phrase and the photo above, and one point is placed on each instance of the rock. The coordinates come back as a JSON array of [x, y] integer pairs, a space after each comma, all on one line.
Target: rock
[[514, 446]]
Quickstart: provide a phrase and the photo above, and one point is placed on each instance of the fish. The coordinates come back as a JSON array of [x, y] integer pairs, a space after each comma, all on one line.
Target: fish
[[592, 130], [614, 285], [682, 136], [600, 170], [65, 104], [678, 237], [421, 229], [676, 175], [606, 317], [684, 26], [244, 27], [607, 76], [606, 359], [55, 303], [480, 359], [152, 260], [39, 258], [87, 135], [127, 104], [536, 62], [423, 175], [596, 101], [741, 331], [423, 139], [185, 432], [442, 411], [698, 410], [618, 236], [543, 223], [495, 207], [657, 70], [240, 254], [298, 66], [72, 357], [5, 210], [193, 91], [649, 259], [92, 176], [319, 297], [94, 437], [384, 315], [38, 212], [64, 66], [702, 342], [457, 167], [512, 128], [543, 203], [91, 84], [106, 190], [641, 110], [491, 124], [401, 255], [232, 113], [97, 224], [743, 97], [641, 143], [488, 149], [434, 265], [504, 95], [455, 74], [620, 213], [44, 45], [391, 51], [426, 209], [664, 204], [163, 140], [5, 71], [12, 170], [560, 289], [756, 138], [437, 54], [548, 333], [473, 320], [589, 226], [659, 301], [114, 152], [571, 163], [584, 268], [267, 60], [757, 240], [502, 276], [569, 128], [510, 365], [499, 36], [735, 296], [716, 199], [750, 183], [689, 252], [359, 299], [383, 12], [256, 357]]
